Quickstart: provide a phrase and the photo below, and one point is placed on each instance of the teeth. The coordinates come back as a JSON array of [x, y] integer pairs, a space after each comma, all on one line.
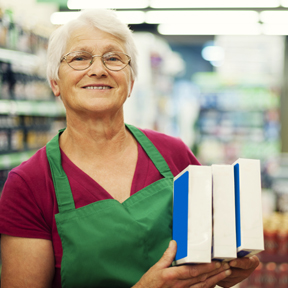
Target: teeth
[[98, 87]]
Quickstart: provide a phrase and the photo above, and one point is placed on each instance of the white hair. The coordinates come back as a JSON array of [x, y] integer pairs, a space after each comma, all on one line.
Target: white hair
[[105, 20]]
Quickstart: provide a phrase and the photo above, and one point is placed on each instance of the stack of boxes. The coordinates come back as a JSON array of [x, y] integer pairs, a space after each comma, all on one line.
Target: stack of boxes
[[217, 212]]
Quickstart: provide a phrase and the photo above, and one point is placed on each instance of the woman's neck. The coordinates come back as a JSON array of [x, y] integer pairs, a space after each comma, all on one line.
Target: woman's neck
[[95, 138]]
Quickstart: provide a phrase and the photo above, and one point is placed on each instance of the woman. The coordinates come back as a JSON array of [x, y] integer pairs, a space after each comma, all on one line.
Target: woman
[[70, 215]]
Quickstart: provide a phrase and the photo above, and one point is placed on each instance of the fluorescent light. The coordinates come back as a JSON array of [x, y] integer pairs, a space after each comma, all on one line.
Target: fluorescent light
[[284, 3], [274, 17], [59, 18], [131, 17], [274, 29], [199, 17], [214, 3], [209, 29], [128, 17], [116, 4], [213, 53]]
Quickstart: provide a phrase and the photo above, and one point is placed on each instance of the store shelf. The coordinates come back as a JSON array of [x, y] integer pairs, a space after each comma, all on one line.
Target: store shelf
[[20, 59], [32, 108], [8, 161], [236, 119]]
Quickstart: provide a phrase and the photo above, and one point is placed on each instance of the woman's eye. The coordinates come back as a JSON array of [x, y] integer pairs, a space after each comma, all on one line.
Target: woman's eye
[[112, 58], [80, 58]]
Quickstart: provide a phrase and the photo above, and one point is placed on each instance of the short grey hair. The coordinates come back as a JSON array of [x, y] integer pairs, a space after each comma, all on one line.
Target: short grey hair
[[103, 19]]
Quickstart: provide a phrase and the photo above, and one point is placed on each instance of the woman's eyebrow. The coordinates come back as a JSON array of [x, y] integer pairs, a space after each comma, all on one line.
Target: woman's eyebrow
[[81, 48], [108, 48], [112, 48]]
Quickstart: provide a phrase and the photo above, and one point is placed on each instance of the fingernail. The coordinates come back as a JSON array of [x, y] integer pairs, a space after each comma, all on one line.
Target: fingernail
[[226, 266], [228, 272], [217, 264], [171, 243]]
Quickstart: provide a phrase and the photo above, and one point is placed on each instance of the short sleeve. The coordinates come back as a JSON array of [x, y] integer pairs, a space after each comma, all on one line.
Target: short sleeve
[[176, 153], [20, 214]]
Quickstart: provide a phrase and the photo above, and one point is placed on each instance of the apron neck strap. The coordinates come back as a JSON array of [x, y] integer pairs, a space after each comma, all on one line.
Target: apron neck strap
[[61, 184], [151, 151]]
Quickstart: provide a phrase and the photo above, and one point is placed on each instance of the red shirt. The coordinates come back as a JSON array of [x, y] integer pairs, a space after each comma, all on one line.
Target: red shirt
[[28, 202]]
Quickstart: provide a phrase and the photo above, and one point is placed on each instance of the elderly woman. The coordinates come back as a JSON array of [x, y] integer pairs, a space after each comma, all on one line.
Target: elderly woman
[[93, 207]]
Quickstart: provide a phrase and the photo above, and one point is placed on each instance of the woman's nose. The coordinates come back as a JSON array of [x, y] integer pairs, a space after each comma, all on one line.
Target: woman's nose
[[97, 67]]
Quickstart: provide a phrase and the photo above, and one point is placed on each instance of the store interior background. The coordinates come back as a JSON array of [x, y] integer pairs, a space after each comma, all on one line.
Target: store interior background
[[224, 93]]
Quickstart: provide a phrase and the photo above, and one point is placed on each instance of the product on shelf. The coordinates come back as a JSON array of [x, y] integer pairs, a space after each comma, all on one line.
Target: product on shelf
[[236, 119], [276, 234], [28, 107], [273, 268], [268, 275]]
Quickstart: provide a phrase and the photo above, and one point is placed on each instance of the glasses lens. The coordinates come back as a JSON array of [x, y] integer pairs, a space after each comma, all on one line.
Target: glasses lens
[[115, 60], [79, 60]]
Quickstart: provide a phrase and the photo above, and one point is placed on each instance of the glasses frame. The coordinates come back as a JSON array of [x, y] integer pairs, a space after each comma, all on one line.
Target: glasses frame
[[92, 60]]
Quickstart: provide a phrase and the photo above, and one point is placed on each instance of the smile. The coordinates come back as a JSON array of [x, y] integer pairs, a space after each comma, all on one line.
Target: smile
[[98, 87]]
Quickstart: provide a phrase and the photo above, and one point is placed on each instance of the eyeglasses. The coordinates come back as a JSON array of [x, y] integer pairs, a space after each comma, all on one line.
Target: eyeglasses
[[81, 60]]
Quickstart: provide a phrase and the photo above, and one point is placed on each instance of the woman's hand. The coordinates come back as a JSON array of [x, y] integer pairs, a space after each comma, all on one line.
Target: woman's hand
[[241, 268], [161, 275]]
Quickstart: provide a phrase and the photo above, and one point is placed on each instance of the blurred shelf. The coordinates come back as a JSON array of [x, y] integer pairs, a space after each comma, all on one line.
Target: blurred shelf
[[32, 108], [266, 257], [11, 160], [25, 62]]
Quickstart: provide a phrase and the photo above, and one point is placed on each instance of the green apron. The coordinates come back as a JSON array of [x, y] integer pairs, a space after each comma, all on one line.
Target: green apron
[[108, 243]]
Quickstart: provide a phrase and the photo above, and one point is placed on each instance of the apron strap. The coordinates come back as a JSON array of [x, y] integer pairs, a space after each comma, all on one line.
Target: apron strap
[[61, 184], [151, 151]]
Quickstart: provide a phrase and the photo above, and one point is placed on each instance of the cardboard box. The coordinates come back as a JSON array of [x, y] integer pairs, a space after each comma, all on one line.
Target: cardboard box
[[224, 228], [248, 205], [192, 215]]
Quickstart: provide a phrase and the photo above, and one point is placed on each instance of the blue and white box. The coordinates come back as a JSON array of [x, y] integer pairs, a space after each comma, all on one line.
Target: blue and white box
[[224, 228], [192, 215], [248, 206]]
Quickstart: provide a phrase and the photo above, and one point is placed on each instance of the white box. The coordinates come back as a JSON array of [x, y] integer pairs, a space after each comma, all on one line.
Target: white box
[[192, 215], [248, 205], [224, 229]]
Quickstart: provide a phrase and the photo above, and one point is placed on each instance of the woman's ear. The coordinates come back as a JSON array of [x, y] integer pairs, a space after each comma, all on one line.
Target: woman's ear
[[131, 88], [55, 87]]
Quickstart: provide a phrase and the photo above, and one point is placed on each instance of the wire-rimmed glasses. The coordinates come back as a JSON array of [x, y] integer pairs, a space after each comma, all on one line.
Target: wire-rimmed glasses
[[81, 60]]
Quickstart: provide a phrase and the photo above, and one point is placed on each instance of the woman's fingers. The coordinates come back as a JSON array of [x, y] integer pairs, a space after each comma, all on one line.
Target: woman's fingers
[[245, 263], [194, 270], [168, 256], [161, 275], [241, 268], [212, 281]]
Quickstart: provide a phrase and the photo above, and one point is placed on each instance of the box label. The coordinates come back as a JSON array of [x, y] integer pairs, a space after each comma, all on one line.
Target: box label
[[237, 204], [180, 215]]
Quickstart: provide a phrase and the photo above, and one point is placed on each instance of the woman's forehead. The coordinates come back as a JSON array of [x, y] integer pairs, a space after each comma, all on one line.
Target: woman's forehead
[[91, 38]]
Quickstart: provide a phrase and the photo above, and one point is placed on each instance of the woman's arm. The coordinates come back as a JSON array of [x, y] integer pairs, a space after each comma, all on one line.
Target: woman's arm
[[26, 262]]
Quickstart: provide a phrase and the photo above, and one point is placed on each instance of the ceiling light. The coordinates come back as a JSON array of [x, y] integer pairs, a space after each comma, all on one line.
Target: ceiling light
[[274, 17], [213, 53], [114, 4], [128, 17], [208, 29], [274, 29], [199, 17], [284, 3], [131, 17], [214, 3], [59, 18]]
